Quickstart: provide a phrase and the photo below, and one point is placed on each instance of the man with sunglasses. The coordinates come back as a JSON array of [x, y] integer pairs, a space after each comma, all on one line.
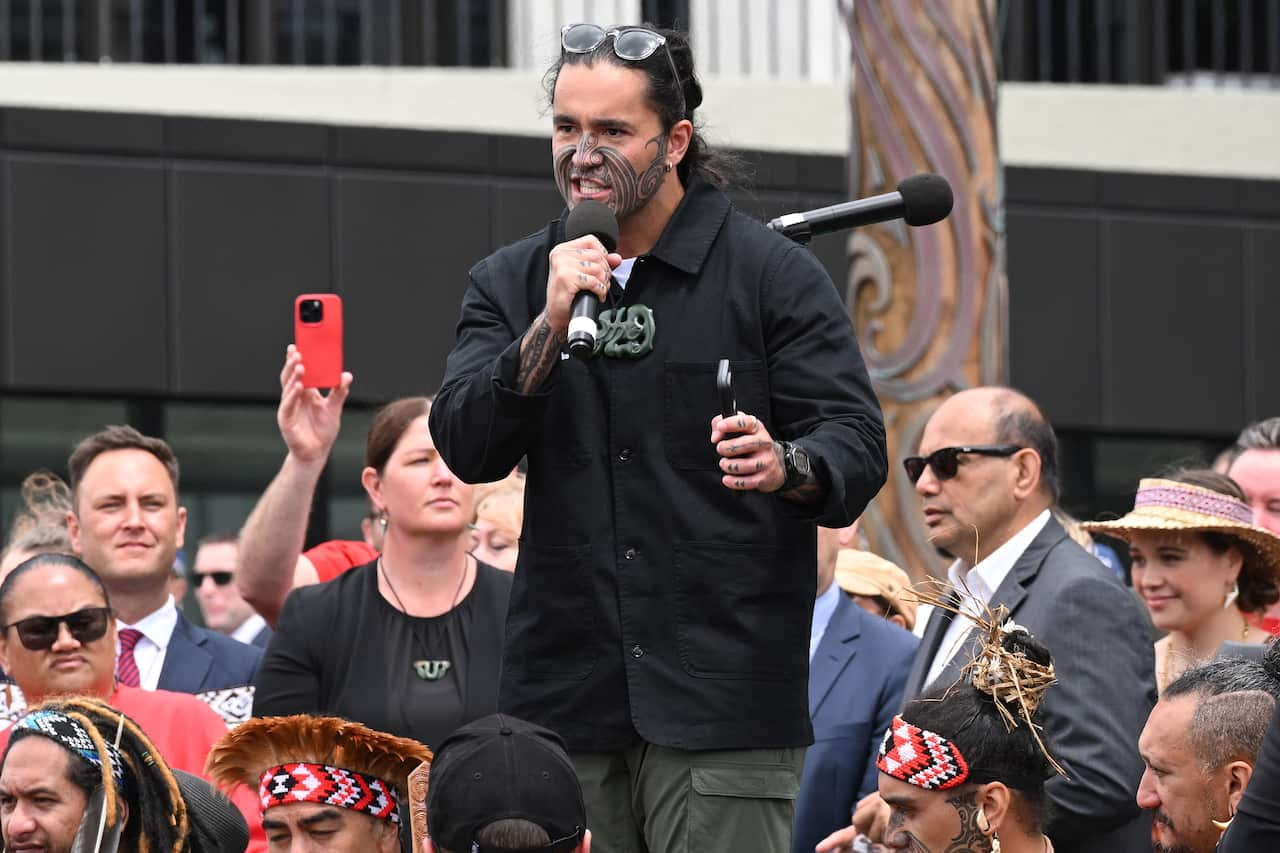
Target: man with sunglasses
[[986, 475], [660, 617], [58, 638], [213, 575]]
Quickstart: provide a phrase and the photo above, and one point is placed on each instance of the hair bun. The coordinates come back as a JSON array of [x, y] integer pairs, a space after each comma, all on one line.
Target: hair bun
[[1016, 670]]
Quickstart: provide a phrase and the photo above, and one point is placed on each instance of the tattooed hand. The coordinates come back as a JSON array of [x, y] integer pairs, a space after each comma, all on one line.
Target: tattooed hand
[[575, 265], [750, 458]]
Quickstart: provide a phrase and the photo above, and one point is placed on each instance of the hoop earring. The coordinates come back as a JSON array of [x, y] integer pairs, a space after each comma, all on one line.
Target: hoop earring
[[1232, 596], [1224, 825]]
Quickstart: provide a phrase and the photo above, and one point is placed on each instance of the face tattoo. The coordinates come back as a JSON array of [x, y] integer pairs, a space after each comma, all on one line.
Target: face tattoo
[[605, 165], [970, 839]]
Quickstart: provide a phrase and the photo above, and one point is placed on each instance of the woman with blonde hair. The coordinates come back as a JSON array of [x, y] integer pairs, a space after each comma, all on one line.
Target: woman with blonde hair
[[40, 524], [1199, 564]]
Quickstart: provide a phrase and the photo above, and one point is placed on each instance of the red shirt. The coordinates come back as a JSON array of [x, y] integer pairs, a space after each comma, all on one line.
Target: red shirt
[[335, 557], [184, 730]]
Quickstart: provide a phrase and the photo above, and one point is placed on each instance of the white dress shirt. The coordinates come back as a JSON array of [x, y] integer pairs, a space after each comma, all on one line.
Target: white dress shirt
[[823, 606], [981, 584], [157, 630], [249, 629]]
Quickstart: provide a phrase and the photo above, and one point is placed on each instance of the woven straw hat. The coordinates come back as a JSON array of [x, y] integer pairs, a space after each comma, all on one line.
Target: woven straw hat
[[864, 573], [1163, 506]]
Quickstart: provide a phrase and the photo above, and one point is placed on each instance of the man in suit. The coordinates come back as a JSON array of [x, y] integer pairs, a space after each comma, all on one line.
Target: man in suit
[[213, 574], [858, 664], [125, 523], [987, 478]]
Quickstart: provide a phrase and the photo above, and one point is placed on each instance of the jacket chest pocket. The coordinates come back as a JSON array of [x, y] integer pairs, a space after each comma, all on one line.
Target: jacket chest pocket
[[691, 401]]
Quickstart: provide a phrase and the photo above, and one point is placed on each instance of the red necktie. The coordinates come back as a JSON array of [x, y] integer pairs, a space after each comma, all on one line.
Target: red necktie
[[126, 666]]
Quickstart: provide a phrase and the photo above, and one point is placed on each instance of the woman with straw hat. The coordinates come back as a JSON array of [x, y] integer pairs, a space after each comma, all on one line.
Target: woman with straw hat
[[1199, 564]]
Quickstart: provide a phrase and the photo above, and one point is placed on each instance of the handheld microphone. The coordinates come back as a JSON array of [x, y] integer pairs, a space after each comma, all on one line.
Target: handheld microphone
[[920, 200], [589, 217]]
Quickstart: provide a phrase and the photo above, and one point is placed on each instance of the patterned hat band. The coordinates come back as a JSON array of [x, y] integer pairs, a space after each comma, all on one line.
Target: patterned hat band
[[69, 734], [330, 786], [1158, 494], [921, 758]]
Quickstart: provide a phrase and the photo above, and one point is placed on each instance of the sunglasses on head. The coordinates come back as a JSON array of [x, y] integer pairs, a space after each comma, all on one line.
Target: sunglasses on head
[[39, 633], [219, 578], [634, 44], [946, 461]]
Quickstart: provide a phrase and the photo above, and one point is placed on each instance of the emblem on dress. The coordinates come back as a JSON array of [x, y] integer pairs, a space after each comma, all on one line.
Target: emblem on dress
[[432, 670], [625, 332]]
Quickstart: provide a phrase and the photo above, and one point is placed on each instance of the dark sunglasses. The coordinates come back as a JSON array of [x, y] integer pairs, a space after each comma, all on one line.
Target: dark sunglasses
[[634, 44], [946, 461], [39, 633], [219, 578]]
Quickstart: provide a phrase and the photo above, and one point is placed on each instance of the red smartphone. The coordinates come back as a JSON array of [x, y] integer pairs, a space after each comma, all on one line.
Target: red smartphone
[[317, 333]]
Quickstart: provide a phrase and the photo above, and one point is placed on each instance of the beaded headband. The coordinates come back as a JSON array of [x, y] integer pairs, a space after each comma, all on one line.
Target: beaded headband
[[921, 758], [330, 786], [69, 734]]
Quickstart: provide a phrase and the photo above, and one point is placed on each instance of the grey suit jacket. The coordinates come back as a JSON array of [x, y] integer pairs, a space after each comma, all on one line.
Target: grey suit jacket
[[1094, 627]]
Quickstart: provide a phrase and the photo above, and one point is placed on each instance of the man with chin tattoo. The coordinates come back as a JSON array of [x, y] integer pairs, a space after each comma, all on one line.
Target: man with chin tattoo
[[659, 620]]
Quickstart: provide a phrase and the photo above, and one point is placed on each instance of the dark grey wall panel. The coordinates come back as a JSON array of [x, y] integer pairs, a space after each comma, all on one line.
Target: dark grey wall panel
[[1053, 314], [1263, 315], [1174, 320], [74, 130], [521, 207], [245, 241], [86, 274], [235, 139], [405, 244]]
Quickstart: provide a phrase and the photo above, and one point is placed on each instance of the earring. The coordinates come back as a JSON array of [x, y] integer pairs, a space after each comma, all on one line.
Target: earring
[[668, 167], [984, 825], [1224, 825], [382, 520], [995, 842], [1232, 596]]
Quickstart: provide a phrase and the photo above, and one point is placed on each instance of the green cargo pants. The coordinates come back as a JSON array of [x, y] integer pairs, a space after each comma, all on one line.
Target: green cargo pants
[[654, 799]]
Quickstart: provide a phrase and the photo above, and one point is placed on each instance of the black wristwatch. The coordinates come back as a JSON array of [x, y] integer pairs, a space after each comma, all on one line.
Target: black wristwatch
[[795, 462]]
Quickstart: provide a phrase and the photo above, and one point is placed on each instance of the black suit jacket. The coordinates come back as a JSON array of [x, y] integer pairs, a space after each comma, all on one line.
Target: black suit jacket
[[1106, 688], [198, 659]]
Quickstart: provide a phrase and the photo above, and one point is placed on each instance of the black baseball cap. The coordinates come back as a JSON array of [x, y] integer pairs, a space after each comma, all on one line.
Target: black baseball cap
[[500, 768]]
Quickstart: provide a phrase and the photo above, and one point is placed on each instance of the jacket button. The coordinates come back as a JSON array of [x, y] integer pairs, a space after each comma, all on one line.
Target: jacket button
[[624, 454], [630, 554], [637, 652]]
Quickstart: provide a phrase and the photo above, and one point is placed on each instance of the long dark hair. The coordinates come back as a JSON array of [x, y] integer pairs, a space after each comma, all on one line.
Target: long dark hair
[[716, 167]]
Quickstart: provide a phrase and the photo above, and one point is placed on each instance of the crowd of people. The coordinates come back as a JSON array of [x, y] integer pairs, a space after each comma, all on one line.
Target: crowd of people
[[588, 610]]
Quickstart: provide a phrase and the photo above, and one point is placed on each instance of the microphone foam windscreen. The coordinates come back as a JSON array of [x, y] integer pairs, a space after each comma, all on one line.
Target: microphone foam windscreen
[[592, 217], [926, 198]]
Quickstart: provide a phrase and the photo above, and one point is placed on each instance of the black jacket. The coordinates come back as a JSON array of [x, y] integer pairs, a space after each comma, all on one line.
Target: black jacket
[[649, 598]]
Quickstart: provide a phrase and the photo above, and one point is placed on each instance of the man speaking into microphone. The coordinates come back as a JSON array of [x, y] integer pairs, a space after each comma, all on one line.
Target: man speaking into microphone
[[660, 616]]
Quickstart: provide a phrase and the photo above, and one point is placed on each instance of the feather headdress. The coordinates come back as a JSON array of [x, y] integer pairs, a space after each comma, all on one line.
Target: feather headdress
[[244, 753]]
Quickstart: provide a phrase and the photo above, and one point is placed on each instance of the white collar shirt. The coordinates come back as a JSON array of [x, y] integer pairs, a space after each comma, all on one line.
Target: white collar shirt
[[981, 584], [249, 629], [157, 631]]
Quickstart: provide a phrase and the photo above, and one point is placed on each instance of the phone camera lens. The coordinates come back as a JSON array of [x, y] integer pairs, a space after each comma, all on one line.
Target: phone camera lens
[[311, 311]]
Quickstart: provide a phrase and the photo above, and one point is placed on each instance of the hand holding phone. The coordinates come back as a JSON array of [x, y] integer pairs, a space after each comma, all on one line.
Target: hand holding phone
[[724, 385], [317, 333]]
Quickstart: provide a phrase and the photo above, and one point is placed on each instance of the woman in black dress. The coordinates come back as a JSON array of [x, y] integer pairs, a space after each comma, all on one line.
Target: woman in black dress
[[410, 644]]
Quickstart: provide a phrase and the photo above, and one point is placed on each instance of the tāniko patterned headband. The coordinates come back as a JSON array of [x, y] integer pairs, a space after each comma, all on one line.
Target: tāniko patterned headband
[[71, 735], [331, 786], [921, 758]]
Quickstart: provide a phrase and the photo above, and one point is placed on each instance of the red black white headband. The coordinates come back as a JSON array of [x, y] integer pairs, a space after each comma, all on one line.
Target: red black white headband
[[331, 786], [921, 758]]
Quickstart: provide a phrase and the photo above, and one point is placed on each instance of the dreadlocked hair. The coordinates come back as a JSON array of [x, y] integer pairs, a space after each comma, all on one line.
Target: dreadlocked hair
[[244, 753], [158, 821]]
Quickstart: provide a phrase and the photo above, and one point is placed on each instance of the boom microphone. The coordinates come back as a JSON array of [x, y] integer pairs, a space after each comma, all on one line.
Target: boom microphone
[[920, 200], [589, 217]]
